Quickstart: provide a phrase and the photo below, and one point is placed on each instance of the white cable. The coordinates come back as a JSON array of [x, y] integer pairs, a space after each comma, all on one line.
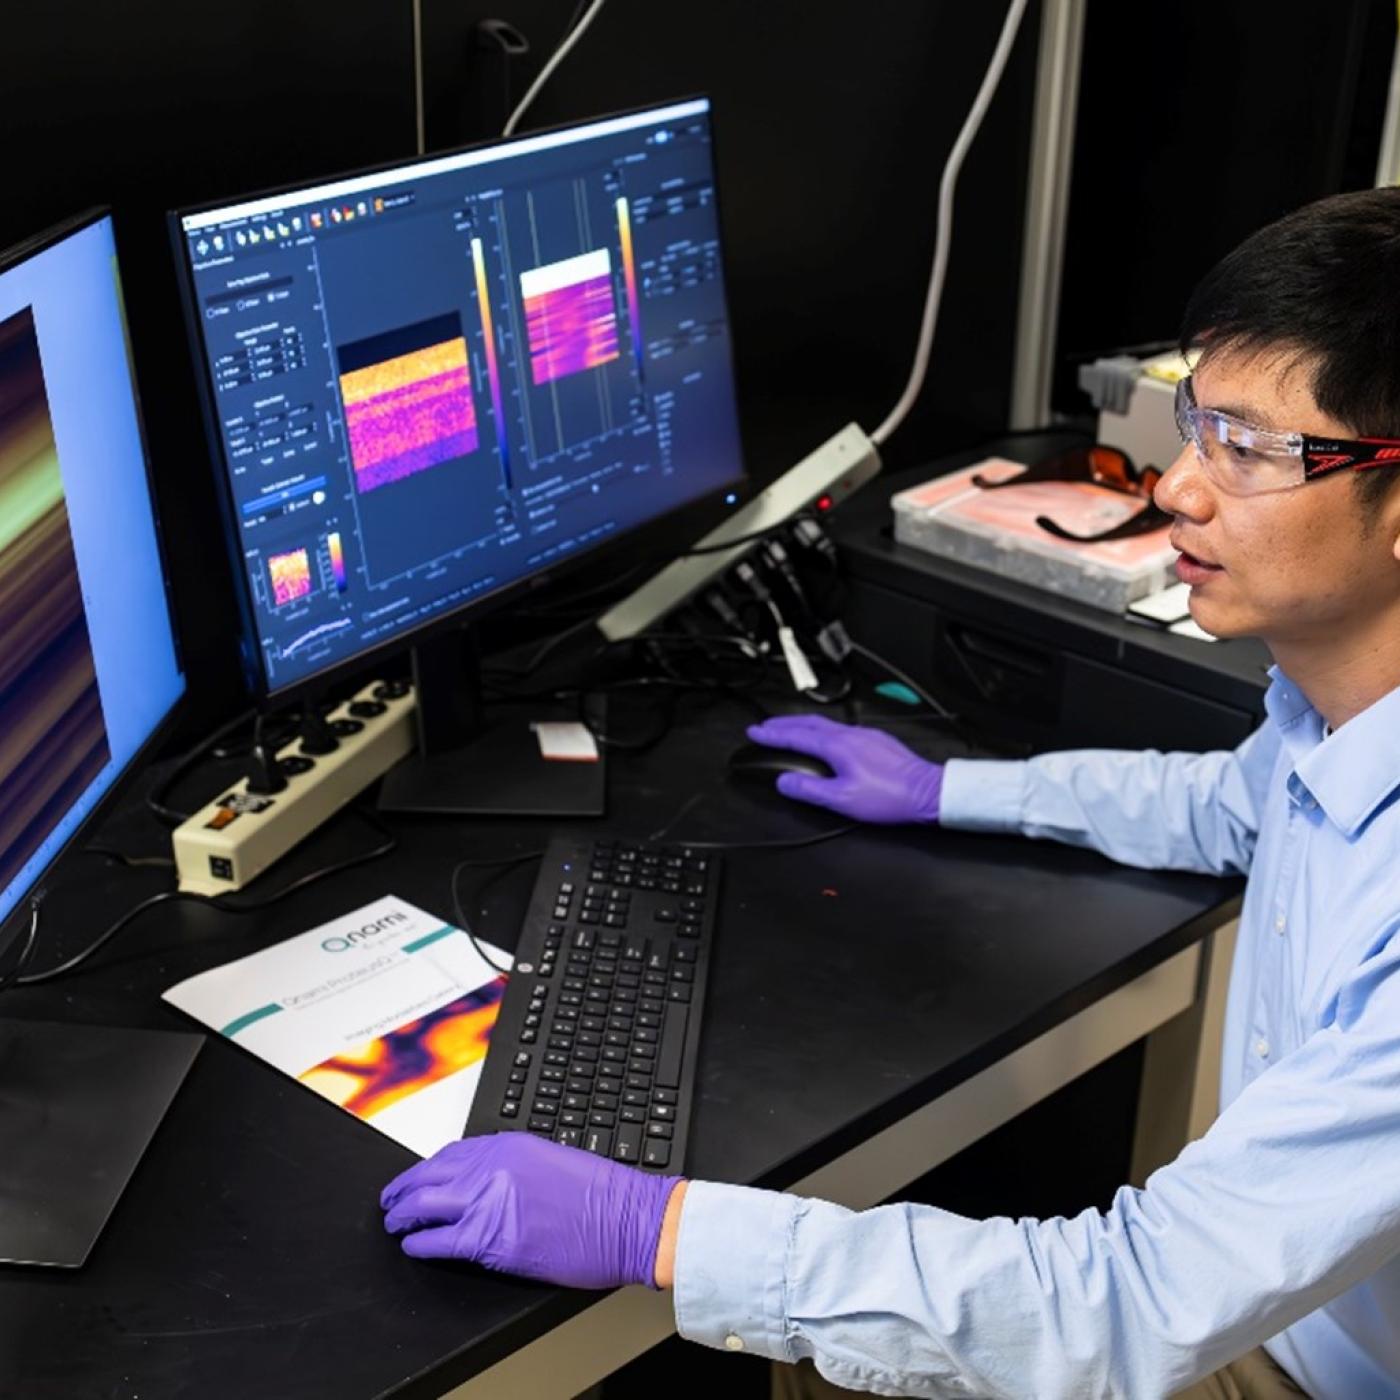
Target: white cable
[[560, 54], [944, 231]]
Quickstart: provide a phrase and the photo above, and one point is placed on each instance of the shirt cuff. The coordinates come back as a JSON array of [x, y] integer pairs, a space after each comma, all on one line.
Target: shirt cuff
[[982, 795], [731, 1268]]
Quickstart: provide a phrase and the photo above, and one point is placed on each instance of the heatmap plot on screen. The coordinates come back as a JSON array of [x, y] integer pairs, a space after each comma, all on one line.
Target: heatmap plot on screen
[[290, 574], [408, 401], [570, 315]]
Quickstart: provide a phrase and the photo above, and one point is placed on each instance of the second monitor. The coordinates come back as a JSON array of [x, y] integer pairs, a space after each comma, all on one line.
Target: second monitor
[[431, 385]]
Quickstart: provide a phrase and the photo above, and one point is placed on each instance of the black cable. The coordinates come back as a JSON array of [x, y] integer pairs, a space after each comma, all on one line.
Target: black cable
[[11, 977], [765, 845], [221, 902], [112, 853], [941, 711], [155, 799], [506, 863]]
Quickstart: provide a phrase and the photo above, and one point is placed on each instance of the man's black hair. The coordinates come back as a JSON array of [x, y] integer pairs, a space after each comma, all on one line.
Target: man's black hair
[[1321, 284]]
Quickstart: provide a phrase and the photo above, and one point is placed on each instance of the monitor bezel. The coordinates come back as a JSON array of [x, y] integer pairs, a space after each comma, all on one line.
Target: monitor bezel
[[11, 923], [673, 528]]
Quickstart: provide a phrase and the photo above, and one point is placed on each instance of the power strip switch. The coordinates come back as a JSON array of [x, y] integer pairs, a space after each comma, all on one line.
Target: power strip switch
[[229, 843]]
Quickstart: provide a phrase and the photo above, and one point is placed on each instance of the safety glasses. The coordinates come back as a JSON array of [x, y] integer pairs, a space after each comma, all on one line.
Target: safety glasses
[[1244, 460], [1101, 466]]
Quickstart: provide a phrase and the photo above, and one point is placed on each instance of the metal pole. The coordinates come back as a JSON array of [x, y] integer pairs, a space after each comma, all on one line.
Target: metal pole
[[1388, 164], [1047, 208]]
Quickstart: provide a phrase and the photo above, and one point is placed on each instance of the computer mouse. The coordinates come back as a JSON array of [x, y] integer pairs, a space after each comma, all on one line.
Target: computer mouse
[[755, 765]]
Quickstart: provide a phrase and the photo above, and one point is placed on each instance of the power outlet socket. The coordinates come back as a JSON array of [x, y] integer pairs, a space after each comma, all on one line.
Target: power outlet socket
[[228, 844]]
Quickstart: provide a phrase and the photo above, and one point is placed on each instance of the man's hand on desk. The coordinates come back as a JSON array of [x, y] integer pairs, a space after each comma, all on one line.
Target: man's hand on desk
[[517, 1203], [876, 779]]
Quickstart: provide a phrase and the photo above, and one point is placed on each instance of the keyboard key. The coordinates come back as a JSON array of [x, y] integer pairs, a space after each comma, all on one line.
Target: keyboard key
[[660, 1130], [693, 906], [549, 1091], [609, 1086], [629, 1143], [582, 1069], [657, 1154], [577, 1102], [635, 1097], [545, 1108], [684, 953], [663, 1112], [599, 1140], [578, 1086], [599, 1118], [638, 1081], [632, 1113], [668, 1061], [522, 1057], [569, 1137], [519, 1076], [682, 973], [678, 991], [528, 1037], [509, 1109], [664, 1096], [573, 1118], [542, 1125]]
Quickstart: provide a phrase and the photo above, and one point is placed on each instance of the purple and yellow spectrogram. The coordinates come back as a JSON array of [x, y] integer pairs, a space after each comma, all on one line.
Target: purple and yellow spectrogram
[[570, 316], [54, 740], [408, 412], [380, 1072], [337, 554], [629, 277], [290, 574]]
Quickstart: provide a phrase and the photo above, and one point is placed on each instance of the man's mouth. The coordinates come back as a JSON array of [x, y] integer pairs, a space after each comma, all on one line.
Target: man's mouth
[[1194, 569]]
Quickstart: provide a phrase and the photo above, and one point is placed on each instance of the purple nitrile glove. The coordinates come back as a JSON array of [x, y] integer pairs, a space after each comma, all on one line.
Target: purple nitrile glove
[[524, 1205], [876, 779]]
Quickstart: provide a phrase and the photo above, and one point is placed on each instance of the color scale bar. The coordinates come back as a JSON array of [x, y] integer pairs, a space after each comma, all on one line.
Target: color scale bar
[[629, 273], [492, 372], [337, 560]]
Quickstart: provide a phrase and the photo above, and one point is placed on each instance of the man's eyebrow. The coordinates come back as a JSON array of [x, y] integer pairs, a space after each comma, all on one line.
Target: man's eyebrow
[[1246, 413]]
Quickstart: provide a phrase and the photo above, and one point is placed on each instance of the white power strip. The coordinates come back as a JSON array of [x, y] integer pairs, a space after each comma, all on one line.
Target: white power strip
[[229, 843], [838, 467]]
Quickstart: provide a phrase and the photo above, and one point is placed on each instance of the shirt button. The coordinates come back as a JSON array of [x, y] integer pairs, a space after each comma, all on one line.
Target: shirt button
[[733, 1342], [1280, 924], [1262, 1048]]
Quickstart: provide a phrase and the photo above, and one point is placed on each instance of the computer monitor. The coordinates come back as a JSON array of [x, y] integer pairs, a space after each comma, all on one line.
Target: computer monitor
[[433, 386], [89, 677]]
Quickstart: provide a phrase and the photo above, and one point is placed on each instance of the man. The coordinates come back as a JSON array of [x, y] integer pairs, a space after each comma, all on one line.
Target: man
[[1264, 1261]]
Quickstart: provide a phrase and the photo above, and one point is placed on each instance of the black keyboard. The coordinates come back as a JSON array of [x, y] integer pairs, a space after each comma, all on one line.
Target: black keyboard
[[598, 1031]]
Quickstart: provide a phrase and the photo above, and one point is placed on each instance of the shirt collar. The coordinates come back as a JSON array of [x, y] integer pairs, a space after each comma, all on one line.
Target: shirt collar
[[1350, 774]]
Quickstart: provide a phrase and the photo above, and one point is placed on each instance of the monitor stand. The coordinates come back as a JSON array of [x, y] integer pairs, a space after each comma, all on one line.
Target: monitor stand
[[78, 1106], [472, 761]]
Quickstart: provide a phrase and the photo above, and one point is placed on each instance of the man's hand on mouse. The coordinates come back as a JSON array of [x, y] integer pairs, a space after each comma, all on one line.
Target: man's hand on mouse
[[517, 1203], [875, 778]]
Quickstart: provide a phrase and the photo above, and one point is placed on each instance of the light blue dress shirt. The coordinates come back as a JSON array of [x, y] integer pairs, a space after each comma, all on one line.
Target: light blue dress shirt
[[1281, 1225]]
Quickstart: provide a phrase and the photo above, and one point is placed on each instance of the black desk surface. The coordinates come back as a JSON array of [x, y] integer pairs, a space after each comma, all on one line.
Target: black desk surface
[[853, 981]]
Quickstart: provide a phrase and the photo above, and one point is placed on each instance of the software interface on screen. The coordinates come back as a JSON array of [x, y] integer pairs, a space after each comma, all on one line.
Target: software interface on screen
[[433, 381], [88, 666]]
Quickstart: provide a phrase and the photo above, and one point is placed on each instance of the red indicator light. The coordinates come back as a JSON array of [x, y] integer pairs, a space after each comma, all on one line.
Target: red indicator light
[[824, 503]]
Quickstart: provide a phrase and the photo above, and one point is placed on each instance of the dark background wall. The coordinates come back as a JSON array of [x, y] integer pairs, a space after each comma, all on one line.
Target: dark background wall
[[833, 122]]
